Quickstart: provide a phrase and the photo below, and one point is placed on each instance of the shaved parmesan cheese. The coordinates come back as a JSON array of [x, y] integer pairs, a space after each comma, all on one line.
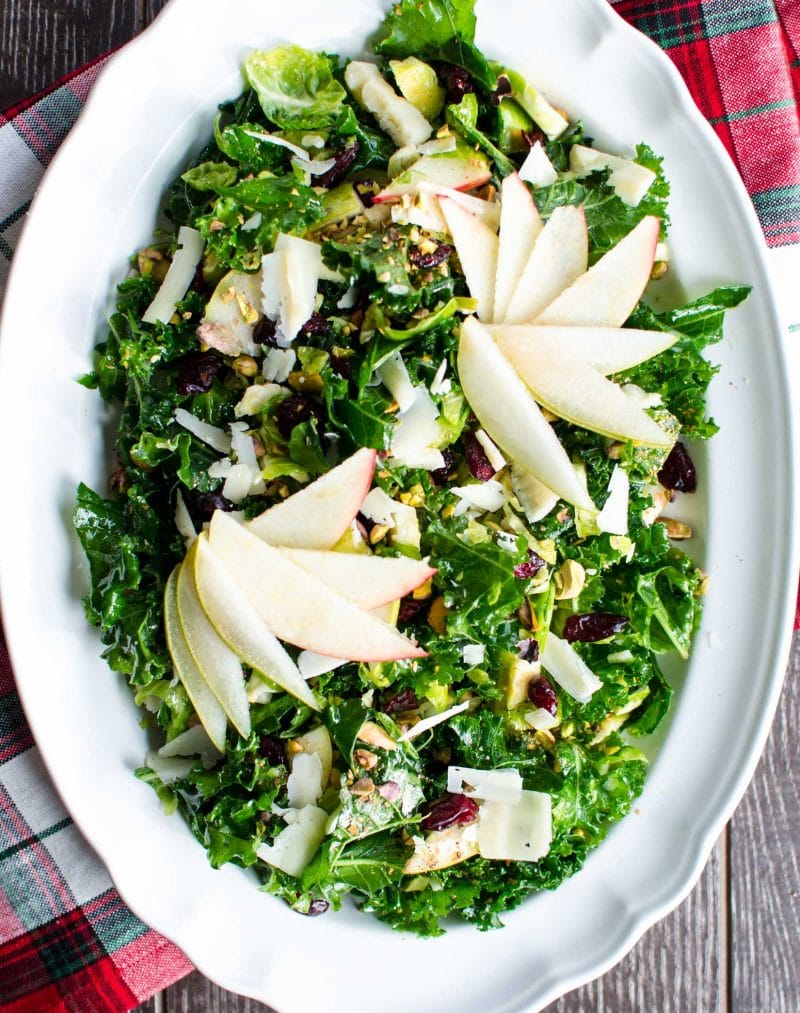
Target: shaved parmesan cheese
[[520, 832], [417, 432], [537, 167], [662, 253], [379, 507], [178, 278], [257, 690], [183, 522], [253, 222], [238, 483], [568, 669], [257, 397], [490, 785], [541, 719], [534, 497], [613, 518], [493, 455], [278, 364], [290, 279], [485, 496], [242, 446], [349, 299], [436, 719], [311, 665], [403, 122], [314, 166], [194, 742], [281, 142], [168, 769], [395, 378], [213, 436], [439, 384], [473, 654], [295, 845], [629, 180], [400, 517], [305, 781]]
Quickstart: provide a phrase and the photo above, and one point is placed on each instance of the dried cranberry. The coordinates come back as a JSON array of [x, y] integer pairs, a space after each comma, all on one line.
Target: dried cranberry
[[344, 158], [592, 626], [477, 461], [205, 505], [528, 649], [405, 700], [295, 410], [272, 750], [365, 524], [411, 609], [532, 137], [678, 471], [316, 324], [367, 190], [317, 907], [426, 261], [456, 81], [531, 566], [199, 281], [440, 476], [542, 694], [196, 372], [341, 365], [264, 332], [501, 91], [450, 811]]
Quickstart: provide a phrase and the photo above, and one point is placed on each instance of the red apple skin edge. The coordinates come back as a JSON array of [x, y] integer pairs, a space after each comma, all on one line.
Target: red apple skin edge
[[388, 197]]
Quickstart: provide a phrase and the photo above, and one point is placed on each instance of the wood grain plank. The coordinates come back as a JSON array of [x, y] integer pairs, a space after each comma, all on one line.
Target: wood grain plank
[[42, 40], [196, 993], [676, 967], [765, 869]]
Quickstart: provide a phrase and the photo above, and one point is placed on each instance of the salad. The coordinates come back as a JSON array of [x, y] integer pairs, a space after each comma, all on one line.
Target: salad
[[392, 550]]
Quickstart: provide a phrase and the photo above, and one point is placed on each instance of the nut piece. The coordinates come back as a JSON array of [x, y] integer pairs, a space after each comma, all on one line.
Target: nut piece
[[363, 787], [245, 365], [677, 531], [364, 758], [570, 580], [374, 735]]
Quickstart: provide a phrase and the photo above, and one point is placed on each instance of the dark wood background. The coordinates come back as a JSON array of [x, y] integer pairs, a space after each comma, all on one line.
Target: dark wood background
[[733, 945]]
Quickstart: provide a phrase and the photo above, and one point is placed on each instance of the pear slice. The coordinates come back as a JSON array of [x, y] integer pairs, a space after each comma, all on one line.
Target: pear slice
[[318, 515], [561, 255], [574, 391], [297, 607], [241, 627], [608, 293], [520, 226], [509, 414], [478, 249], [606, 349], [212, 716], [218, 664], [368, 581]]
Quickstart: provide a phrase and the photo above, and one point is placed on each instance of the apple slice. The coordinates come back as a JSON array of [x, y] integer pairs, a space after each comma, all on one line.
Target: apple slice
[[606, 349], [520, 226], [218, 664], [318, 515], [582, 395], [510, 415], [608, 293], [240, 626], [462, 169], [561, 255], [212, 716], [368, 581], [298, 608], [477, 248]]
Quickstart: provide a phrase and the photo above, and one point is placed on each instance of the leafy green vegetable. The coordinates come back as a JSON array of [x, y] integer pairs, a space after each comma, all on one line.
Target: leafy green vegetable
[[296, 88]]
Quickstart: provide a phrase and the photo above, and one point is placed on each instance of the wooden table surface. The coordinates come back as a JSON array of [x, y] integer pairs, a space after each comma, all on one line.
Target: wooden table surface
[[734, 944]]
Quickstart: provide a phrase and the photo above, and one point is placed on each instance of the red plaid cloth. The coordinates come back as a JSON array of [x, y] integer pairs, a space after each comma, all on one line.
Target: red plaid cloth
[[67, 942]]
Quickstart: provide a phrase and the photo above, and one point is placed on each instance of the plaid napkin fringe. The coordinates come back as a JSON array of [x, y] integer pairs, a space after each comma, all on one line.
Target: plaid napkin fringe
[[67, 941]]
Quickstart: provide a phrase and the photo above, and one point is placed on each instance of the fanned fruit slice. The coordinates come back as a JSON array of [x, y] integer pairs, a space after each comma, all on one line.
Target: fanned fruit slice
[[477, 248], [208, 709], [240, 626], [297, 607], [217, 663], [560, 256], [520, 225], [606, 349], [509, 414], [318, 515], [607, 294]]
